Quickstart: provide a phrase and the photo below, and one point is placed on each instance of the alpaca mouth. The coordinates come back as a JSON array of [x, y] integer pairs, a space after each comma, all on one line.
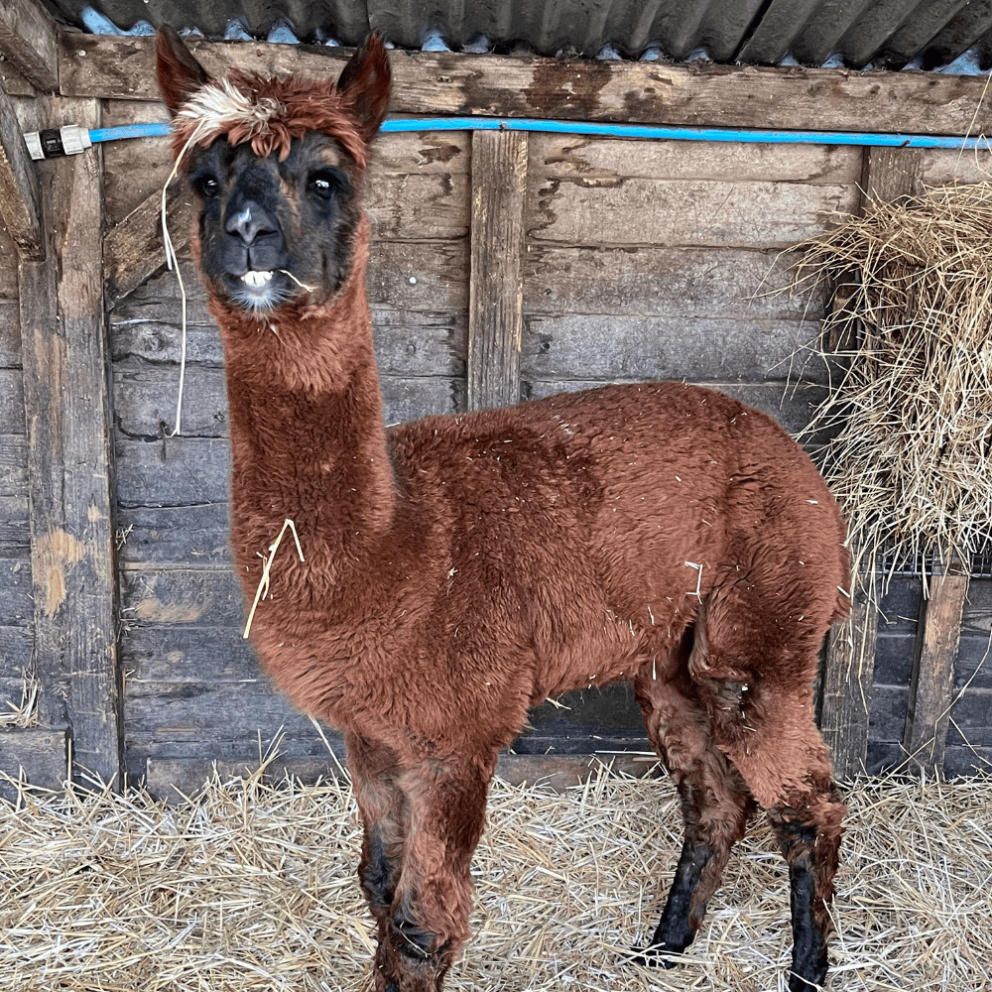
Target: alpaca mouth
[[256, 280], [259, 289]]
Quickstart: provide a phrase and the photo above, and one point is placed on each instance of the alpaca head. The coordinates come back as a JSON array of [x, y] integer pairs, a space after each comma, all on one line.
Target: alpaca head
[[277, 166]]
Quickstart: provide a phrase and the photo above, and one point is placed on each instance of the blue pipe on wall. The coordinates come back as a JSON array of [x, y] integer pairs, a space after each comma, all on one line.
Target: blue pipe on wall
[[750, 136]]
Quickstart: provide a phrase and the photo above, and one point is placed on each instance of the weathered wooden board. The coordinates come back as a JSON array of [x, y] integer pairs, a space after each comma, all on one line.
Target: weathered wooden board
[[411, 343], [19, 206], [406, 399], [404, 279], [34, 755], [10, 322], [967, 761], [67, 410], [15, 529], [648, 92], [175, 654], [973, 669], [931, 691], [418, 206], [137, 169], [169, 718], [16, 646], [11, 402], [184, 535], [969, 719], [133, 249], [8, 294], [635, 211], [208, 597], [16, 604], [134, 169], [13, 465], [29, 40], [639, 348], [939, 167], [594, 160], [174, 471], [495, 319], [888, 717], [424, 276], [684, 283], [145, 401], [845, 715], [15, 83]]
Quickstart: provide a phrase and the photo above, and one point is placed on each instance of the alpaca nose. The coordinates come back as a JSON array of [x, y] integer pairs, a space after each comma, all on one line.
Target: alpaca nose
[[249, 220]]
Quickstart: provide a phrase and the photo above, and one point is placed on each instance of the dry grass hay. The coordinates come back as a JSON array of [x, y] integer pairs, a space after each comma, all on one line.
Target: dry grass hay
[[912, 409], [252, 887]]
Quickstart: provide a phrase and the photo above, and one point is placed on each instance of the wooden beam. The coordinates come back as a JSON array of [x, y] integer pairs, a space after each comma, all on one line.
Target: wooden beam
[[29, 40], [18, 185], [495, 308], [847, 688], [133, 251], [931, 691], [849, 674], [447, 83], [67, 412], [891, 173]]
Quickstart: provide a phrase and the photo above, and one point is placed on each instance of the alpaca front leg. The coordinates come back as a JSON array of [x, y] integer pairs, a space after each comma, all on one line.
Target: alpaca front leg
[[428, 922], [383, 809], [716, 803]]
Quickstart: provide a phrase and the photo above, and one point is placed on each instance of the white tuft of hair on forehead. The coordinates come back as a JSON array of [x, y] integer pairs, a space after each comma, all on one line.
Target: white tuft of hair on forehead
[[218, 107]]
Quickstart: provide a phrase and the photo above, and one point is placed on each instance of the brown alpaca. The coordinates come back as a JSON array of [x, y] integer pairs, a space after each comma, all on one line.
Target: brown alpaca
[[459, 570]]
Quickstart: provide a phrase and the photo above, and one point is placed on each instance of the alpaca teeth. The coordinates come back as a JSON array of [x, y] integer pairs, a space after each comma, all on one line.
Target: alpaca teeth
[[256, 279]]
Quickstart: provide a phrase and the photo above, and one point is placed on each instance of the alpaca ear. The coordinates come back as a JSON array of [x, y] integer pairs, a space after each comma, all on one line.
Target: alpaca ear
[[366, 80], [179, 74]]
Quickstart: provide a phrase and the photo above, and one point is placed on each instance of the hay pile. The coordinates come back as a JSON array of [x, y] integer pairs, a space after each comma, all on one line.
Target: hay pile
[[251, 887], [912, 412]]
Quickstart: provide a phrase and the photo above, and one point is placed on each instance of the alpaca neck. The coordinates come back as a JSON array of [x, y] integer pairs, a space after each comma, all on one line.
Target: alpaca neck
[[307, 435]]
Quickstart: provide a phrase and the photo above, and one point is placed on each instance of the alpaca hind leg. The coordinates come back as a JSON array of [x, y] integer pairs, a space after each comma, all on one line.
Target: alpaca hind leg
[[810, 843], [716, 803], [786, 766], [428, 919], [713, 824]]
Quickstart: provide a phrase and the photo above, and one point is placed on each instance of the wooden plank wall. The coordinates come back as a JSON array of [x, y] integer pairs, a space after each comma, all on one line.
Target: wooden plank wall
[[624, 261]]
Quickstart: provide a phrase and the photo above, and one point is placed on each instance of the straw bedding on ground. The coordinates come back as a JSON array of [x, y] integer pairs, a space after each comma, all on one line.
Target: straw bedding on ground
[[250, 886]]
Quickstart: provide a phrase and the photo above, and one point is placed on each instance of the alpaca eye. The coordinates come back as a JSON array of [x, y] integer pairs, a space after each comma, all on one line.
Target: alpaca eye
[[324, 184], [207, 186]]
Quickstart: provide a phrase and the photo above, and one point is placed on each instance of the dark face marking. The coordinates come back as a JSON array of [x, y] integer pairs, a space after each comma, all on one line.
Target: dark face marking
[[270, 229]]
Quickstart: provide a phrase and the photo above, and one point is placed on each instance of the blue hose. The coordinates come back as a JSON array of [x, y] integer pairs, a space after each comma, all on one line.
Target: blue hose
[[618, 131], [129, 131]]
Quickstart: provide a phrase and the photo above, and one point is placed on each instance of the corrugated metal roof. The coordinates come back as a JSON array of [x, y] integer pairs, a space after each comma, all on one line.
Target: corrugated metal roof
[[887, 34]]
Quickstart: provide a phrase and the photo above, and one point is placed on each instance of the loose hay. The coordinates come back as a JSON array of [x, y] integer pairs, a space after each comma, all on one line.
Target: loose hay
[[912, 411], [252, 887]]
